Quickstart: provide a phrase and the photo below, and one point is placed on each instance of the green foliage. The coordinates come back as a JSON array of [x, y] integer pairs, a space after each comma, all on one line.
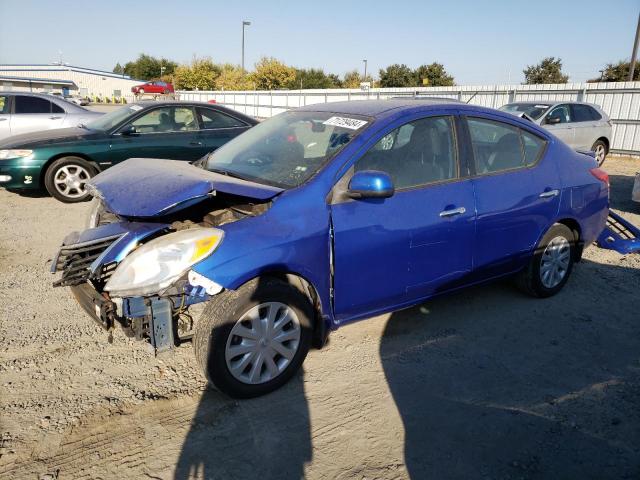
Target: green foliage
[[618, 72], [146, 67], [232, 77], [435, 74], [353, 79], [549, 70], [272, 74], [200, 75], [313, 78], [118, 69], [397, 76]]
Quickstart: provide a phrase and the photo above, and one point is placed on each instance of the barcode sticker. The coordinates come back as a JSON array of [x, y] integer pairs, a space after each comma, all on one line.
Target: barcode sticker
[[350, 123]]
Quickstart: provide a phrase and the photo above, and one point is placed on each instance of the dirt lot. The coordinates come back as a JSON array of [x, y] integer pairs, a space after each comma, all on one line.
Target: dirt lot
[[487, 383]]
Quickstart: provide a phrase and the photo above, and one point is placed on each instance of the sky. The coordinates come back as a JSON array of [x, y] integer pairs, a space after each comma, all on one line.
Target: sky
[[479, 42]]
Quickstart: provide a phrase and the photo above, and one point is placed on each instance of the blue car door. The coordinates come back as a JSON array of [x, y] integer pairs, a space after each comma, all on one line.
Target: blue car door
[[391, 252], [517, 192]]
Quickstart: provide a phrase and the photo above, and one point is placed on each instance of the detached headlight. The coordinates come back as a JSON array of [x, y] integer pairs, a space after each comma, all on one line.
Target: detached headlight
[[4, 154], [157, 264]]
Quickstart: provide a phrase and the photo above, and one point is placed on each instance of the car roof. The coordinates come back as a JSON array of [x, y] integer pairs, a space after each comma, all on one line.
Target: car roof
[[374, 108], [215, 106]]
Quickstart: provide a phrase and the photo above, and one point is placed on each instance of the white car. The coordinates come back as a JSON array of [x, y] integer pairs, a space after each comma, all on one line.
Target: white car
[[23, 112]]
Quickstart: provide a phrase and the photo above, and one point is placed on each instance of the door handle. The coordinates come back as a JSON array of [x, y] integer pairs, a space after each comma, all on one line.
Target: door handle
[[54, 118], [452, 212], [196, 143], [549, 194], [3, 119]]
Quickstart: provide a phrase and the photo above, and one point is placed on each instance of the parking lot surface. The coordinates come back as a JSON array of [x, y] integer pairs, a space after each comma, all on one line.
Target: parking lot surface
[[485, 383]]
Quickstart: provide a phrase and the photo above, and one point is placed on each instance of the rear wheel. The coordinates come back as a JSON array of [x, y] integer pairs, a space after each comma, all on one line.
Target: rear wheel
[[251, 341], [66, 178], [601, 150], [551, 264]]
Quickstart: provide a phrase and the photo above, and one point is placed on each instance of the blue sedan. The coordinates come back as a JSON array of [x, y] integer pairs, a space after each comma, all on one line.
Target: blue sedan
[[325, 215]]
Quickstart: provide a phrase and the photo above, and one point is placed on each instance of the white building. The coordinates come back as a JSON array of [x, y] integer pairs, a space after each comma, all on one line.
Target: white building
[[86, 82]]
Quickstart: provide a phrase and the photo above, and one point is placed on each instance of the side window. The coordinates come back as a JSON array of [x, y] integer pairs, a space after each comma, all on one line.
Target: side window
[[166, 119], [533, 147], [562, 112], [24, 104], [496, 145], [4, 105], [417, 153], [56, 108], [582, 113], [595, 115], [213, 119]]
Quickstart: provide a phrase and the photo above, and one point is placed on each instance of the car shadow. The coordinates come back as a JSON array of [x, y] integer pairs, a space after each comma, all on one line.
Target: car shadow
[[620, 193], [490, 383], [39, 193]]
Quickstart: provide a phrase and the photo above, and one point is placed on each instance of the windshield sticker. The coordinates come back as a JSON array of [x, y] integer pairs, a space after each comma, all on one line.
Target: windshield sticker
[[542, 106], [350, 123], [135, 108]]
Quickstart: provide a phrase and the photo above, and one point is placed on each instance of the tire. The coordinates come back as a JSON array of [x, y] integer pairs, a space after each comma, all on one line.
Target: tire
[[78, 170], [535, 279], [216, 340], [601, 150]]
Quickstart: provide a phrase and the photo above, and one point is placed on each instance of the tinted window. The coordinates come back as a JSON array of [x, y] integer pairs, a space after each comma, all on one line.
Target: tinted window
[[595, 115], [583, 113], [4, 104], [496, 146], [533, 147], [214, 119], [56, 108], [31, 105], [166, 119], [417, 153], [535, 111], [563, 112]]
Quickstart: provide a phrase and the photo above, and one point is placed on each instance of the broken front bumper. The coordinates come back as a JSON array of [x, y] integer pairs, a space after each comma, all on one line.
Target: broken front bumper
[[619, 235]]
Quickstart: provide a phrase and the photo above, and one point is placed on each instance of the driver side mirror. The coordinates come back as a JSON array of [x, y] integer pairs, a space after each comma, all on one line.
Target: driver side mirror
[[128, 131], [370, 184], [552, 120]]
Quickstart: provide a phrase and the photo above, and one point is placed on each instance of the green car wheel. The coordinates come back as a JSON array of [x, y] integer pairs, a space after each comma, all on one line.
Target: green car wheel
[[65, 179]]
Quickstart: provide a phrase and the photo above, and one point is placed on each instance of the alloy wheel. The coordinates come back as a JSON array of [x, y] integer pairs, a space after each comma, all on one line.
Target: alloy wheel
[[554, 263], [70, 180], [600, 153], [263, 343]]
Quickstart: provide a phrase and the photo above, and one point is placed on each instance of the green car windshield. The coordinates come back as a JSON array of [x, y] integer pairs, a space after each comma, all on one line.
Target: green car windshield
[[108, 121], [288, 149]]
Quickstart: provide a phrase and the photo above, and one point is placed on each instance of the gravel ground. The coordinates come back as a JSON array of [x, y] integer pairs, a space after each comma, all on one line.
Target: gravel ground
[[486, 383]]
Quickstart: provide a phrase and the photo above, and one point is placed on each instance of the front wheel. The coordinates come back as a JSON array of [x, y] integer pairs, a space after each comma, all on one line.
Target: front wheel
[[600, 149], [66, 178], [251, 341], [552, 262]]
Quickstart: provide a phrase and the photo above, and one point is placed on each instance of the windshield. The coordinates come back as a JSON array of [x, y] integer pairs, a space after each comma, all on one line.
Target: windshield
[[288, 149], [111, 119], [534, 110]]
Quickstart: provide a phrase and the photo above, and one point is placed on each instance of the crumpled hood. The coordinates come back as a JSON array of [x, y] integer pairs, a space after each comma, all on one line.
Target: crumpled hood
[[149, 187]]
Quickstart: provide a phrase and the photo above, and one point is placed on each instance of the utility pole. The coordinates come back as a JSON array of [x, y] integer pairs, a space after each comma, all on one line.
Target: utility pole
[[635, 51], [365, 70], [244, 24]]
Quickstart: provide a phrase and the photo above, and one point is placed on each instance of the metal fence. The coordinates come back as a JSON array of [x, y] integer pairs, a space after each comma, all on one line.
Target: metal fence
[[620, 100]]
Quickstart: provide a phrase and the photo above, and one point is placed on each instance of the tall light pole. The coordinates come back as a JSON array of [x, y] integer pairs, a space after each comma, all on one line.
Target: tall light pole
[[244, 24], [365, 70], [635, 52]]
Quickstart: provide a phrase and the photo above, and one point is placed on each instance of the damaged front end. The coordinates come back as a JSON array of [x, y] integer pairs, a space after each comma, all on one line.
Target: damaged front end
[[137, 272]]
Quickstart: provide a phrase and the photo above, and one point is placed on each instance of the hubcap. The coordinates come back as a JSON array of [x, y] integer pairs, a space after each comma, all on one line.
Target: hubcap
[[600, 152], [262, 343], [70, 180], [555, 262]]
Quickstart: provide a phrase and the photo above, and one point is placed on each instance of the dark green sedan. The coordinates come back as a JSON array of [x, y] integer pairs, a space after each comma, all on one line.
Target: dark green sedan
[[63, 160]]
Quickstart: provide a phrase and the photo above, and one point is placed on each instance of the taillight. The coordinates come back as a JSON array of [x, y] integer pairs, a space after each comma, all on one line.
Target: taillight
[[600, 175]]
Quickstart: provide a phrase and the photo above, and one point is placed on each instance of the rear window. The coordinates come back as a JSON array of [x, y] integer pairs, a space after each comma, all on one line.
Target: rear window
[[213, 119], [25, 104]]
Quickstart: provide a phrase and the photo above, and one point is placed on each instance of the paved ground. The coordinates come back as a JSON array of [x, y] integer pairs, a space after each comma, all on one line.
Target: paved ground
[[486, 383]]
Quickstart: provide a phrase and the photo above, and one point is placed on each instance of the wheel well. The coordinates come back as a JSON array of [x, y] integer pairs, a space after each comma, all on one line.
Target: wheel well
[[320, 331], [605, 140], [574, 226], [62, 155]]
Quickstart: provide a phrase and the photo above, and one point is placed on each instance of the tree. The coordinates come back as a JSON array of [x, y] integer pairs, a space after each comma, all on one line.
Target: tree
[[232, 77], [312, 78], [200, 75], [118, 69], [618, 72], [272, 74], [549, 70], [146, 67], [397, 76], [353, 79], [435, 74]]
